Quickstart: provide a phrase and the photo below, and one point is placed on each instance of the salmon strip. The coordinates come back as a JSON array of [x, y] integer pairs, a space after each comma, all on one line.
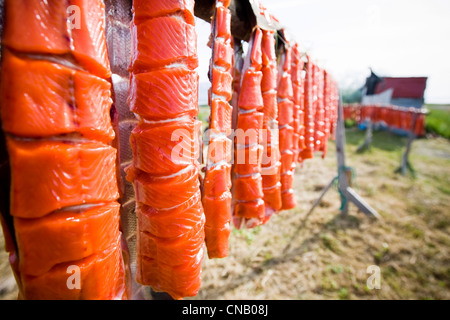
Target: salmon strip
[[248, 188], [55, 110], [250, 209], [178, 282], [42, 99], [287, 116], [76, 233], [144, 9], [171, 223], [148, 36], [250, 96], [220, 118], [256, 52], [217, 182], [47, 31], [248, 160], [218, 237], [223, 23], [222, 211], [164, 171], [223, 54], [150, 98], [172, 252], [89, 40], [247, 184], [219, 150], [286, 112], [269, 78], [271, 165], [250, 128], [101, 278], [163, 148], [67, 175], [270, 109], [307, 152], [164, 192], [222, 83]]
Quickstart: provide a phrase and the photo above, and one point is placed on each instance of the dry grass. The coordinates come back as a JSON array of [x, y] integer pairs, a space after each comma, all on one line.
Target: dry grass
[[325, 255]]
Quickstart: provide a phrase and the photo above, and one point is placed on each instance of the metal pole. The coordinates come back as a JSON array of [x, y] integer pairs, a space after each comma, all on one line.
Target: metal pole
[[340, 154], [368, 139]]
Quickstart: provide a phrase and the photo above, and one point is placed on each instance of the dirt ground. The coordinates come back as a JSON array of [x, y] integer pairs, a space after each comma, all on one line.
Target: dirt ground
[[323, 255]]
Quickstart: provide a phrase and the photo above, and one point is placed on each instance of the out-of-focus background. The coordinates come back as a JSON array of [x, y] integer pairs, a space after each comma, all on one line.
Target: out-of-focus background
[[324, 255]]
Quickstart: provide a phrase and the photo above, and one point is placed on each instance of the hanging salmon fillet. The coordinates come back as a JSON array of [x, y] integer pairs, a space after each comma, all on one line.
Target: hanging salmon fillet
[[309, 112], [248, 196], [217, 182], [285, 95], [298, 88], [319, 126], [165, 145], [271, 164], [55, 111]]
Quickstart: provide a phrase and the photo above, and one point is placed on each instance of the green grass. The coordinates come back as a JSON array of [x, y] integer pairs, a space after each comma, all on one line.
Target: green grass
[[203, 115], [438, 120]]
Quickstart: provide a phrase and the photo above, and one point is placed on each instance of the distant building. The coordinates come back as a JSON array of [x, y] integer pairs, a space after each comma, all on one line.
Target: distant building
[[404, 92]]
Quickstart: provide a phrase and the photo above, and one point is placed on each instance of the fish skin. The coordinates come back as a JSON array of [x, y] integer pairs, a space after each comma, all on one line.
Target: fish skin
[[65, 236], [150, 98], [43, 99], [152, 48], [67, 175]]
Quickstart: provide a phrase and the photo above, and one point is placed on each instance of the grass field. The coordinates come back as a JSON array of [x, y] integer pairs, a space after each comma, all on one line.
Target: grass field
[[438, 120], [324, 255]]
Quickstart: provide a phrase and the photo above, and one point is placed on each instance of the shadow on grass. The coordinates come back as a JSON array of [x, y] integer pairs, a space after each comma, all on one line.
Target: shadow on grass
[[383, 140]]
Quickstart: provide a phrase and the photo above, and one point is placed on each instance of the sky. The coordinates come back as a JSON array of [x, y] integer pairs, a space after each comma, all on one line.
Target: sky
[[397, 38]]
